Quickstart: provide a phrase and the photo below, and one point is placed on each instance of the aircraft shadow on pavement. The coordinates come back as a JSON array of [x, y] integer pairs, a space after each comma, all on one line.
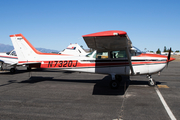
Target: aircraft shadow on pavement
[[101, 87], [6, 72], [41, 79], [19, 71], [138, 82], [9, 82]]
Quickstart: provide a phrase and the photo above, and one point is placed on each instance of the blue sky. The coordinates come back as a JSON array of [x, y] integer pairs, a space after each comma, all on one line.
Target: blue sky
[[54, 24]]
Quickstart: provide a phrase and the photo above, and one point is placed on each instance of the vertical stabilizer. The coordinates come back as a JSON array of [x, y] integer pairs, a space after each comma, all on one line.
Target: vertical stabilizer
[[24, 49]]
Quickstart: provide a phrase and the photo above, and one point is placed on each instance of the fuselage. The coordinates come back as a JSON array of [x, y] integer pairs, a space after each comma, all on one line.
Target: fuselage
[[115, 55], [142, 63]]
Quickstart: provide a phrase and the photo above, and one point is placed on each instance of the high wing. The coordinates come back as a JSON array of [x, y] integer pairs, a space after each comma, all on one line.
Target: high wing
[[111, 41], [108, 40]]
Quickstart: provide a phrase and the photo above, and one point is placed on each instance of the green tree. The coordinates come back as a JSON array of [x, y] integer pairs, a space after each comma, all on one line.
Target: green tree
[[158, 51], [168, 50], [165, 49]]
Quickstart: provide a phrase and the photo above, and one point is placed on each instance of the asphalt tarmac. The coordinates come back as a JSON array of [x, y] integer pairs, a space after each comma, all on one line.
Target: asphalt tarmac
[[58, 95]]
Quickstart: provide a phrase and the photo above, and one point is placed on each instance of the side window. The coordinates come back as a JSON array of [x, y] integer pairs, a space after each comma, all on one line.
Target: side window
[[14, 53], [102, 55], [118, 54]]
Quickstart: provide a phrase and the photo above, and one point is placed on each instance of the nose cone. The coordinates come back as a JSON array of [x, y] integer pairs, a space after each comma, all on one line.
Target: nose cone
[[171, 59]]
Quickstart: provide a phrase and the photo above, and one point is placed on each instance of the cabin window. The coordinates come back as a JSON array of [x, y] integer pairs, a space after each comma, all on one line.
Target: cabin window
[[13, 53], [118, 54], [102, 55]]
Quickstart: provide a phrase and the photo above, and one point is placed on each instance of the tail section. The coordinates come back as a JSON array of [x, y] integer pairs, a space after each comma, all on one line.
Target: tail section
[[24, 49]]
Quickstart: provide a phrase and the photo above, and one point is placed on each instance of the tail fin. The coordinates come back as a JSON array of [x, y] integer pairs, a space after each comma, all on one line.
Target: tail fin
[[24, 49]]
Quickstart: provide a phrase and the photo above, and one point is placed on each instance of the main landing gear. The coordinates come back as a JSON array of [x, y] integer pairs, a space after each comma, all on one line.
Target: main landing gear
[[13, 70], [151, 82], [1, 66], [116, 79]]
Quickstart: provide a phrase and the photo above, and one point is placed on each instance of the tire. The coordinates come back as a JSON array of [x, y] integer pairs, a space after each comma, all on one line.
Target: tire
[[152, 83], [114, 84], [12, 70], [1, 68], [28, 68]]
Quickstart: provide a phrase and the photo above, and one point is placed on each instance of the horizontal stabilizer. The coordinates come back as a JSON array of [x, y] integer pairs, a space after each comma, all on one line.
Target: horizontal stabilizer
[[29, 63]]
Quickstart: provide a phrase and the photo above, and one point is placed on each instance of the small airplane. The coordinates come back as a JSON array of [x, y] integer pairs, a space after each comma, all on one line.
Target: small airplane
[[9, 58], [75, 50], [114, 55]]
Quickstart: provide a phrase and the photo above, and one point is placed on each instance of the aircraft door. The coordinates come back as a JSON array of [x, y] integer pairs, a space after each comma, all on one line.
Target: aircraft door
[[119, 62]]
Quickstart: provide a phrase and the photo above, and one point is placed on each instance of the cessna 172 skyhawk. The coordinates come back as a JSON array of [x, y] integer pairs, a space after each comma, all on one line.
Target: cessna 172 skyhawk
[[115, 56]]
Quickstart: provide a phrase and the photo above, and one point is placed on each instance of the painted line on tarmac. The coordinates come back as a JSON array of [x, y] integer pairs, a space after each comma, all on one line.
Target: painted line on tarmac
[[162, 86], [168, 110]]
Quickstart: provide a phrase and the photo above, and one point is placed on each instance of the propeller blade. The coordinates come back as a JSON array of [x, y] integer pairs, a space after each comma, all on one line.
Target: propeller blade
[[169, 54]]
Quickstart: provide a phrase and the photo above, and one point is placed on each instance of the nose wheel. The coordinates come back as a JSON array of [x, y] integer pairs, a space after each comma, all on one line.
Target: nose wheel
[[151, 82]]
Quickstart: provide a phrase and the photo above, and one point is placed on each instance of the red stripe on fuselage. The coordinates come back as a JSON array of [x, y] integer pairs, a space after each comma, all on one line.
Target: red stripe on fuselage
[[75, 63], [152, 55], [9, 57]]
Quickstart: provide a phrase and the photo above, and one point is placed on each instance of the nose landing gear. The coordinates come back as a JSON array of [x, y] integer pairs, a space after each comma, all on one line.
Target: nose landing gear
[[151, 82]]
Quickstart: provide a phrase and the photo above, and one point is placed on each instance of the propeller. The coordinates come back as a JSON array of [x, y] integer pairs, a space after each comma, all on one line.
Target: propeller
[[169, 56]]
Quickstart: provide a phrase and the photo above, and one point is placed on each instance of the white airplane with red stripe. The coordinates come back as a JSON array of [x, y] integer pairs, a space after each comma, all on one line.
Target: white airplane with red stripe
[[75, 50], [9, 58], [114, 55]]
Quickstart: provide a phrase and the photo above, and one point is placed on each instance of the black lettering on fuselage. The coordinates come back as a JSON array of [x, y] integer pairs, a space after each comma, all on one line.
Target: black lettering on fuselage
[[75, 64], [55, 63], [50, 63], [64, 63]]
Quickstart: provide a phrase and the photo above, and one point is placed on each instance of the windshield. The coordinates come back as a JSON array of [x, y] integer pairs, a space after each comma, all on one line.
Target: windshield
[[13, 53], [135, 51], [8, 53], [88, 55]]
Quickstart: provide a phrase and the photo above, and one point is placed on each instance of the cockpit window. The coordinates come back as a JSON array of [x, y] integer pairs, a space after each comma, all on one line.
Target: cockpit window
[[8, 53], [135, 51], [13, 53]]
